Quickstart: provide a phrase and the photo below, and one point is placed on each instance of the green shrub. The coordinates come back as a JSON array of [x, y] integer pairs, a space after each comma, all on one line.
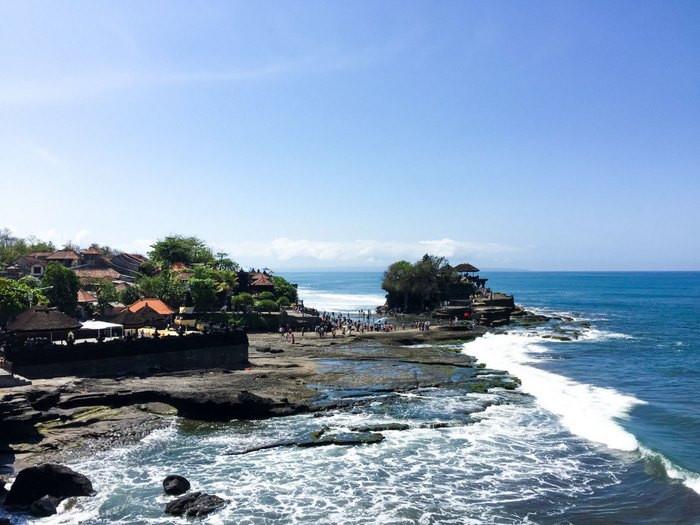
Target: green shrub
[[266, 305], [265, 296], [242, 301], [283, 302]]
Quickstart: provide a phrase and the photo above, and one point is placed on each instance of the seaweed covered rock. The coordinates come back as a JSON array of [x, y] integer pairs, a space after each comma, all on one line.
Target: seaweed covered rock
[[175, 485], [195, 504], [48, 479]]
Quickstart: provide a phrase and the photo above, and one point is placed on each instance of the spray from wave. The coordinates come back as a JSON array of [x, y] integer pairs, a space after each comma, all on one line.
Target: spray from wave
[[339, 302], [585, 410], [588, 411]]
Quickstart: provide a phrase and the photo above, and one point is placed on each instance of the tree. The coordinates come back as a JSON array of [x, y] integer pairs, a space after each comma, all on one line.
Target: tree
[[203, 292], [224, 263], [16, 297], [62, 287], [415, 287], [398, 281], [284, 288], [106, 293], [148, 268], [242, 301], [180, 249], [165, 286], [11, 247], [129, 295], [226, 280]]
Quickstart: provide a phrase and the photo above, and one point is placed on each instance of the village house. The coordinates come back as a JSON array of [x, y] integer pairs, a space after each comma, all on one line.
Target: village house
[[144, 312], [90, 265], [43, 322], [68, 258]]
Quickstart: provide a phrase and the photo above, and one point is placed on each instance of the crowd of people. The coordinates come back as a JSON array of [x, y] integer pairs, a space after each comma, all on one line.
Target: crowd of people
[[341, 324]]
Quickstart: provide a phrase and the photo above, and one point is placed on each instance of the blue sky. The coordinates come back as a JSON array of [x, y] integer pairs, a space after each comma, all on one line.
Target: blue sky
[[541, 135]]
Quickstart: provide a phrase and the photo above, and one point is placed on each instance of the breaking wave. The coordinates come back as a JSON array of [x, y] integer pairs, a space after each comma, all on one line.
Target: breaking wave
[[339, 302], [591, 412]]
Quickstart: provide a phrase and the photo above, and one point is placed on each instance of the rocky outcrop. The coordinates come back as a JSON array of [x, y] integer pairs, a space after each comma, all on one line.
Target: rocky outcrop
[[44, 506], [319, 438], [49, 479], [175, 485], [380, 427], [195, 504]]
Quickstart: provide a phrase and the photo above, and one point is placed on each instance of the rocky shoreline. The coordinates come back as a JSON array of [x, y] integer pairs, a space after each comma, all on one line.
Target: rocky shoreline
[[61, 419]]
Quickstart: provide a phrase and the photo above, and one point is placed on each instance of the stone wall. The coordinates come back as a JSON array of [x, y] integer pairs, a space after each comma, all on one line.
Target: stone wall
[[226, 357]]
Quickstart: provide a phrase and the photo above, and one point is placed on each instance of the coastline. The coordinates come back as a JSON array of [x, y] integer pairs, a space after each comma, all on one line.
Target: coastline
[[63, 419]]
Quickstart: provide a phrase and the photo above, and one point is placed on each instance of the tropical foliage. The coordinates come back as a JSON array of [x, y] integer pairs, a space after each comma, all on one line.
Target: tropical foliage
[[16, 297], [179, 249], [418, 286], [61, 286], [12, 247], [106, 293]]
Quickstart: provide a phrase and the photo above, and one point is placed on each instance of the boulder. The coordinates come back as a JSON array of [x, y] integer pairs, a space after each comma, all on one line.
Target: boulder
[[194, 504], [175, 485], [44, 506], [49, 479]]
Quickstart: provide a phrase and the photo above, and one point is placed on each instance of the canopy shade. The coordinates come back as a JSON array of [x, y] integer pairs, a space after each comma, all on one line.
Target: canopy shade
[[100, 325]]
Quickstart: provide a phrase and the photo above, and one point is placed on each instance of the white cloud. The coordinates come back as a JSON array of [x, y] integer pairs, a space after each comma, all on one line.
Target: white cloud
[[358, 252]]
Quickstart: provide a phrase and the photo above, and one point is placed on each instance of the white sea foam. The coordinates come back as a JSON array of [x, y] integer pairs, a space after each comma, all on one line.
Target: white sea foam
[[339, 302], [688, 478], [512, 454], [588, 411]]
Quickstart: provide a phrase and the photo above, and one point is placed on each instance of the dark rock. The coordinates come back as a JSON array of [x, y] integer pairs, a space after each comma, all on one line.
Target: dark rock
[[380, 427], [42, 400], [436, 424], [269, 350], [44, 506], [343, 438], [5, 521], [175, 485], [319, 438], [50, 479], [194, 504]]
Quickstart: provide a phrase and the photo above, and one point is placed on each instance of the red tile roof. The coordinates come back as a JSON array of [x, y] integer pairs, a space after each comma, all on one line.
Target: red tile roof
[[260, 279], [86, 297], [154, 304]]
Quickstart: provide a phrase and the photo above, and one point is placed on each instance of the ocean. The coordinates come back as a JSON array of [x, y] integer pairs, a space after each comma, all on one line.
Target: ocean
[[604, 430]]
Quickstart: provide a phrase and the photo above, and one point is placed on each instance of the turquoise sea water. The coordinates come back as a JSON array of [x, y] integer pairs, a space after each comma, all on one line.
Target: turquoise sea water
[[605, 429]]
